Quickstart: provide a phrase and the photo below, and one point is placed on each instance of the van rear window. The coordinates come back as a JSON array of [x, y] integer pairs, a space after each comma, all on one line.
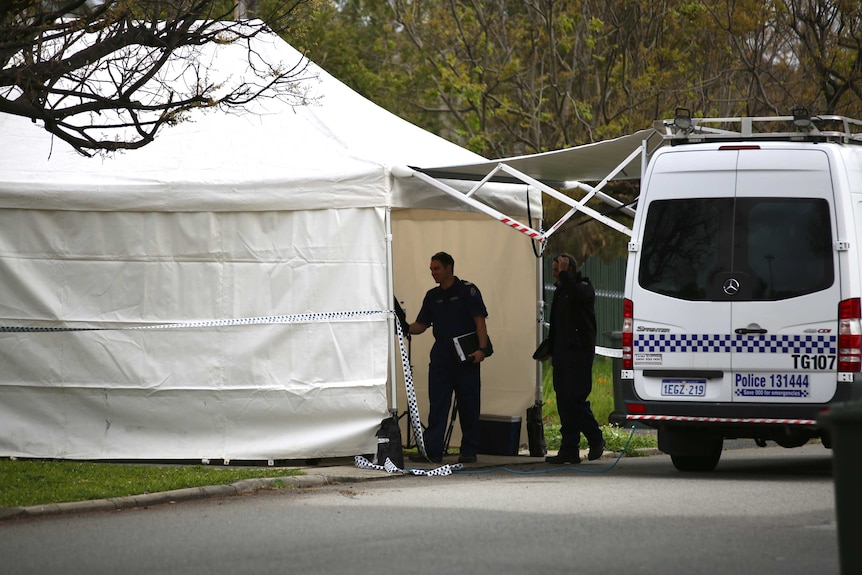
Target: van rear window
[[776, 248]]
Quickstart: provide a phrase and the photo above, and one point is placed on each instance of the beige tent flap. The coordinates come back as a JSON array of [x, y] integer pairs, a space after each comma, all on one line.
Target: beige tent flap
[[502, 264]]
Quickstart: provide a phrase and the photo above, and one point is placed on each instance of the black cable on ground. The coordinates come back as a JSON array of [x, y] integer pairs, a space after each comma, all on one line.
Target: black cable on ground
[[565, 468]]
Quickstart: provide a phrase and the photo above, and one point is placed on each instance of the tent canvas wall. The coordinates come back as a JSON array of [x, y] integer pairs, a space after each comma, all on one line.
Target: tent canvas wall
[[223, 293]]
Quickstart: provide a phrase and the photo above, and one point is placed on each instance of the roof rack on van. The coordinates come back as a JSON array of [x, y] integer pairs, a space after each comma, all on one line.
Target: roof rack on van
[[800, 127]]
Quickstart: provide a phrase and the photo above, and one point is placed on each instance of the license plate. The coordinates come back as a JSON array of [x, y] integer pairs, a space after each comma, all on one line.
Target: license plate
[[683, 387]]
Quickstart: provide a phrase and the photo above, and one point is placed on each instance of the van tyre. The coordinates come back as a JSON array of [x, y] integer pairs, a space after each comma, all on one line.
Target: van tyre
[[696, 463], [792, 441], [690, 449]]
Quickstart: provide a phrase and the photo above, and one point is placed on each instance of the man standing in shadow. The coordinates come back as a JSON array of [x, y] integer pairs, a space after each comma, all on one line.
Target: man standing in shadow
[[572, 338]]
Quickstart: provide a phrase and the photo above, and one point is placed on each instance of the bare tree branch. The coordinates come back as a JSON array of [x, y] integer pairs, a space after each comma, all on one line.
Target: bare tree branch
[[106, 75]]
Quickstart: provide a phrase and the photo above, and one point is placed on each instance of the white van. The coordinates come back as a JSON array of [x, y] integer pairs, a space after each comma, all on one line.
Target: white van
[[744, 282]]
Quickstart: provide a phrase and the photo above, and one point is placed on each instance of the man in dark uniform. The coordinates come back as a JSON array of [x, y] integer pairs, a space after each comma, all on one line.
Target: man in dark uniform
[[573, 345], [453, 308]]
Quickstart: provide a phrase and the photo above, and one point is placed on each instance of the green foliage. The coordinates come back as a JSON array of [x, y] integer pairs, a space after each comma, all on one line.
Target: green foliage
[[40, 482], [601, 398], [516, 79]]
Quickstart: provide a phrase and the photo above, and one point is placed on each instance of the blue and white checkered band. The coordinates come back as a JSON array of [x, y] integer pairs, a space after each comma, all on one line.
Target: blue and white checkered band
[[812, 344]]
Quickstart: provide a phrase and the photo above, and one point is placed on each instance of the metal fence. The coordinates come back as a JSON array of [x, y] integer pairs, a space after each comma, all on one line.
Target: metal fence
[[608, 279]]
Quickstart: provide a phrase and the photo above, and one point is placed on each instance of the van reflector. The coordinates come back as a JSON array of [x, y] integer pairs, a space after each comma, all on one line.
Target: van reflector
[[850, 335], [745, 420], [740, 147], [636, 407], [628, 336]]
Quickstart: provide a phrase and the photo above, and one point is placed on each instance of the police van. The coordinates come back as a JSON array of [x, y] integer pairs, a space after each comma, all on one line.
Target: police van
[[744, 281]]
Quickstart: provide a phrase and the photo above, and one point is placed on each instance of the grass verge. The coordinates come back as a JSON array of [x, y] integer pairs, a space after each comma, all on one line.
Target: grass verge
[[40, 482]]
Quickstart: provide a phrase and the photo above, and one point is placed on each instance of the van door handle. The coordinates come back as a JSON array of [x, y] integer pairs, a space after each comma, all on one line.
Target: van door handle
[[746, 330]]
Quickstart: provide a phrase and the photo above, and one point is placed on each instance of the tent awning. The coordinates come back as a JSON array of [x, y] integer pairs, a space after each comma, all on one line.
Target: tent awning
[[549, 172], [560, 168]]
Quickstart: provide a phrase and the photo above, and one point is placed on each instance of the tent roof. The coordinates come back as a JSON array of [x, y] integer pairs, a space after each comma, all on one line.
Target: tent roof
[[589, 162], [334, 152]]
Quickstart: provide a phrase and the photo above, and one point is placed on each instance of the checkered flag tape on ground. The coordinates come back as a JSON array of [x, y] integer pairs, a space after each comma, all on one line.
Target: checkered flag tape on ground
[[415, 423], [413, 409], [389, 467]]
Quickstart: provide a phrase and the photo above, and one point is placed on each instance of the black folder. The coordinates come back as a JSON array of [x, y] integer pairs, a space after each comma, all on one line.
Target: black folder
[[465, 345], [468, 343]]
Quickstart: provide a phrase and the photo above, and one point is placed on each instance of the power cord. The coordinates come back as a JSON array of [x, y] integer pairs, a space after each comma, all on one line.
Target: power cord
[[566, 468]]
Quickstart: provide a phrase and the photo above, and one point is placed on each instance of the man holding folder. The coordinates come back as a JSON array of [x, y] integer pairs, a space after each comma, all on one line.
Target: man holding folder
[[454, 308]]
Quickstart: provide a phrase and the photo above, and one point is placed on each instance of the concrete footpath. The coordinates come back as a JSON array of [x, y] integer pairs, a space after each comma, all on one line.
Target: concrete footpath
[[331, 471]]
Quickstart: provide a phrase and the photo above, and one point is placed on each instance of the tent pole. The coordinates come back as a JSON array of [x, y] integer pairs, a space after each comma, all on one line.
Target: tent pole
[[390, 297], [487, 210], [540, 319], [644, 159], [576, 205]]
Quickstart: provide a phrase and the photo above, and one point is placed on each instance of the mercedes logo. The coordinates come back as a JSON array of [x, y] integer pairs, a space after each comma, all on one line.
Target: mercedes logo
[[731, 286]]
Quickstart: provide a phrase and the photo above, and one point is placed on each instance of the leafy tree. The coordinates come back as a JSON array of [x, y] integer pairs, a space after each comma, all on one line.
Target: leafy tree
[[96, 73], [511, 77], [827, 51], [361, 43]]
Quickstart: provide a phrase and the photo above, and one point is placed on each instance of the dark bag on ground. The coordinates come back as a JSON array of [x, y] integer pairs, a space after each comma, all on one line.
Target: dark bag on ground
[[536, 431], [389, 443], [543, 352]]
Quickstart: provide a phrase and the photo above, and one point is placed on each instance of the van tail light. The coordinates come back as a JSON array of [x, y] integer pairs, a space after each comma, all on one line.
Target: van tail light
[[849, 335], [628, 337]]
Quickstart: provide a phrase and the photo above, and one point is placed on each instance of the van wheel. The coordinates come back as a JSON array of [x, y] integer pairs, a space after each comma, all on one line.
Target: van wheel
[[690, 449], [695, 463], [790, 441]]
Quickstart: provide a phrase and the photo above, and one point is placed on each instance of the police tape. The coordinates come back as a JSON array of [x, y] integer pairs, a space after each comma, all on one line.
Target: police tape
[[704, 419], [389, 467], [260, 320], [609, 351], [412, 403], [415, 424], [360, 461]]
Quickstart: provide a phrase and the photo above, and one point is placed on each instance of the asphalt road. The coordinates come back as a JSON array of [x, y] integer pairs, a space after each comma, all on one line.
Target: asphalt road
[[763, 511]]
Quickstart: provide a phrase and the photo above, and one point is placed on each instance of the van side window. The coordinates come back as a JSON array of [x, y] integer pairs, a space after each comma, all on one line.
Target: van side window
[[777, 248]]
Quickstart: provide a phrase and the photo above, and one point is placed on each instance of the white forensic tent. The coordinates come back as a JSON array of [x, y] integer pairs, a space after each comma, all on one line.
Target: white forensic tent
[[224, 293]]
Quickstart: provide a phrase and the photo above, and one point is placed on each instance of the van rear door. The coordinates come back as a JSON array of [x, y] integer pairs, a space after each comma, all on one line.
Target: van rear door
[[734, 292], [681, 325], [784, 317]]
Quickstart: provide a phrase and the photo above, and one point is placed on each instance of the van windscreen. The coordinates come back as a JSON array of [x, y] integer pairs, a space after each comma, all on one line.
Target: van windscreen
[[776, 248]]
